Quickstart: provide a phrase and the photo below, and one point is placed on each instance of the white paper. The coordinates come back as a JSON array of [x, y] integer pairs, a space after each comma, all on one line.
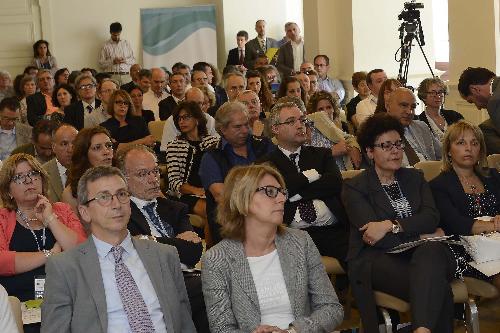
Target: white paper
[[488, 268], [31, 316], [406, 246]]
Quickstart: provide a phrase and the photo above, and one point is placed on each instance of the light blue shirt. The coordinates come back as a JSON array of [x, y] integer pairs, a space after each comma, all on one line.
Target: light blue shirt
[[332, 85], [117, 318], [7, 142]]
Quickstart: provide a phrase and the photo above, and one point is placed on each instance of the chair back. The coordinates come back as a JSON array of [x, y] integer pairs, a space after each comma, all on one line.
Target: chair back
[[431, 169], [347, 174], [15, 305], [494, 161], [156, 129]]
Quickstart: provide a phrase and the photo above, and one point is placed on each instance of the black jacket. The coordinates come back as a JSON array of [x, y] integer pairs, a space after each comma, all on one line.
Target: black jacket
[[74, 114]]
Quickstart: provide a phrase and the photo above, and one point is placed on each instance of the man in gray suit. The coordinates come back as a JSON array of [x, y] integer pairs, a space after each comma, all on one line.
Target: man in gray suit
[[112, 282], [62, 146], [291, 54], [420, 144], [12, 133], [259, 45]]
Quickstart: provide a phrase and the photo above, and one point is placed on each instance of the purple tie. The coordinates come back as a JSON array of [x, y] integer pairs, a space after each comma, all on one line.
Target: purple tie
[[307, 211], [138, 316]]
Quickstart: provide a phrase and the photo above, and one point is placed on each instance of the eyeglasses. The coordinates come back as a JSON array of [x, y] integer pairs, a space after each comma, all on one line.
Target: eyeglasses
[[142, 174], [9, 119], [436, 93], [388, 145], [272, 191], [22, 178], [293, 121], [105, 198], [99, 146], [185, 117], [86, 86], [240, 88], [118, 102]]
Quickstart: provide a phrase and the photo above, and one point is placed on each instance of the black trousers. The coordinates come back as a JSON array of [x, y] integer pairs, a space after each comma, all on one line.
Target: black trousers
[[195, 295], [421, 277], [331, 241]]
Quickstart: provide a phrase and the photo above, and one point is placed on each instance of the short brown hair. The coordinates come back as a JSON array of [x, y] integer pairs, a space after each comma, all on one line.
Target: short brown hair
[[357, 77], [123, 94], [8, 171], [239, 187]]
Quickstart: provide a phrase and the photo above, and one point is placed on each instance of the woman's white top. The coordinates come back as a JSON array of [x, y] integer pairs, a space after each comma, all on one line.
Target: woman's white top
[[275, 307]]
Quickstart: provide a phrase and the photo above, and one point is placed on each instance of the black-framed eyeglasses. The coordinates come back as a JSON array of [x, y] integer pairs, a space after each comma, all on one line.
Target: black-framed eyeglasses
[[293, 121], [105, 198], [22, 178], [118, 102], [436, 93], [272, 191], [86, 86], [388, 145], [142, 174], [185, 117], [98, 147]]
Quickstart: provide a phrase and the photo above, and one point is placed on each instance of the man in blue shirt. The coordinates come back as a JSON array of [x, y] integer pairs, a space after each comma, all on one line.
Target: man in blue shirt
[[322, 66], [237, 146]]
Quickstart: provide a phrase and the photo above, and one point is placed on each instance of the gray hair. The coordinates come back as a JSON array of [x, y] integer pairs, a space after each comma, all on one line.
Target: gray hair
[[224, 113], [4, 73], [42, 71], [80, 77], [231, 74], [122, 154], [280, 105], [92, 175]]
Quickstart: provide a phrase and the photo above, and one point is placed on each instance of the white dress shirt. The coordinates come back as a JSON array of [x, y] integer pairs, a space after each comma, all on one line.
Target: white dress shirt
[[150, 102], [117, 318], [111, 50], [7, 142], [62, 172], [298, 54], [366, 108], [170, 132]]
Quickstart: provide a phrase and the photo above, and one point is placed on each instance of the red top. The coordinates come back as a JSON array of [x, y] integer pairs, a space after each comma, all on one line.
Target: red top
[[8, 222]]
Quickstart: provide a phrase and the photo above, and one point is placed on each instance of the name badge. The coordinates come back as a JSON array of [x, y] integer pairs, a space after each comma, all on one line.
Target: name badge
[[39, 286]]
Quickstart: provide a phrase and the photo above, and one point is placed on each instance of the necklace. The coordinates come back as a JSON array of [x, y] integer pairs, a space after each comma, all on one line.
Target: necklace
[[475, 193], [26, 221]]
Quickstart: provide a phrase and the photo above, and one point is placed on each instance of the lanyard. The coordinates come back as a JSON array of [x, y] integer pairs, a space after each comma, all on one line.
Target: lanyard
[[26, 221]]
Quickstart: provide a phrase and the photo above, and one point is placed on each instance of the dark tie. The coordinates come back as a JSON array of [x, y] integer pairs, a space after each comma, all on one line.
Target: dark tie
[[306, 208], [90, 108], [135, 308], [163, 228], [411, 155], [242, 57]]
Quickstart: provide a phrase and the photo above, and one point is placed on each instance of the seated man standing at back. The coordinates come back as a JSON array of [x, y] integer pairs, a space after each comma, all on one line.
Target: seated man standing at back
[[131, 285], [313, 181]]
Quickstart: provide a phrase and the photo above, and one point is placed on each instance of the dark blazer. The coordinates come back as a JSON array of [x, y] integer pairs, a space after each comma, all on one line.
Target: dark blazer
[[366, 201], [128, 86], [452, 202], [135, 129], [449, 116], [491, 136], [233, 57], [327, 188], [253, 50], [166, 106], [75, 299], [285, 59], [74, 114], [36, 107], [176, 214]]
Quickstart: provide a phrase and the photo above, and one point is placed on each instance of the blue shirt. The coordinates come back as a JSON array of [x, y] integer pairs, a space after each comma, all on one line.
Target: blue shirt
[[7, 142], [117, 318], [332, 85]]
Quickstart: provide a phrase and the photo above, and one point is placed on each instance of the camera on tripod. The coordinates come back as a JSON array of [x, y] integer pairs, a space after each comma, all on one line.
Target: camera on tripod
[[411, 16]]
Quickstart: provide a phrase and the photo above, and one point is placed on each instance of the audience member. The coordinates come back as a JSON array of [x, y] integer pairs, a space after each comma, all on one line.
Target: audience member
[[92, 72], [42, 59], [31, 70], [366, 107], [257, 83], [136, 285], [261, 61], [432, 92], [386, 89], [6, 88], [62, 146], [236, 147], [466, 192], [75, 114], [27, 87], [104, 91], [389, 205], [359, 84], [178, 91], [259, 45], [291, 87], [313, 182], [156, 92], [199, 78], [234, 83], [328, 131], [420, 144], [134, 75], [12, 133], [116, 55], [322, 66], [262, 255], [209, 101], [61, 76], [40, 146], [92, 147], [306, 67], [31, 228], [7, 321], [63, 95], [136, 95], [144, 80], [40, 103], [236, 56], [304, 82], [291, 54], [125, 128], [74, 74], [258, 126]]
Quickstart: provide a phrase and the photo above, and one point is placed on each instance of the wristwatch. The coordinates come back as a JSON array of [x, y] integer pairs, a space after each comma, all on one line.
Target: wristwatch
[[396, 227]]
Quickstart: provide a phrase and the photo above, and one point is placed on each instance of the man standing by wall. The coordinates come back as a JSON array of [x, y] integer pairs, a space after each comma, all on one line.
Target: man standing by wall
[[291, 54], [259, 45]]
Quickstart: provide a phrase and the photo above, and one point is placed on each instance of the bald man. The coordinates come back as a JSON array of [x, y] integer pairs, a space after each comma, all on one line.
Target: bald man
[[170, 132], [156, 92], [420, 144]]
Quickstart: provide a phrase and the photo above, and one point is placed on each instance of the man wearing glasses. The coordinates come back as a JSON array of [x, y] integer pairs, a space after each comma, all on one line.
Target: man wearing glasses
[[322, 66], [420, 144], [234, 83], [313, 181], [12, 133], [133, 285], [75, 113]]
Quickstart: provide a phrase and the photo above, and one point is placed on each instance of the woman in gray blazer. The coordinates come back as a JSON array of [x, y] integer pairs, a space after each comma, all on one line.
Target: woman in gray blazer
[[388, 205], [264, 277]]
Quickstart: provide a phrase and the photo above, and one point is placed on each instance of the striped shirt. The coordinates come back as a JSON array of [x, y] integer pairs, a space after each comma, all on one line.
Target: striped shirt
[[111, 50]]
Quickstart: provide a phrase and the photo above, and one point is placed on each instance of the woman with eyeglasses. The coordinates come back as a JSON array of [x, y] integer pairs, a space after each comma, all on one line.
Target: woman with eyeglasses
[[183, 156], [432, 92], [388, 205], [264, 277], [31, 228], [467, 193], [124, 127], [91, 147]]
